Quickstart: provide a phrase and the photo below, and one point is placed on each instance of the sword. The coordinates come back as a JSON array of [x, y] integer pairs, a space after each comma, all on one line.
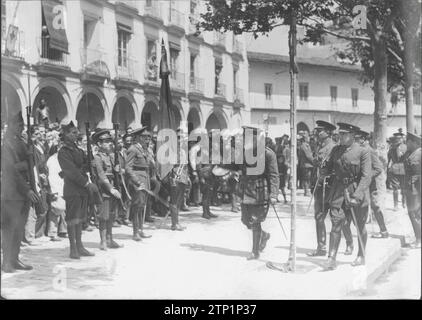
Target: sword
[[281, 225], [347, 198]]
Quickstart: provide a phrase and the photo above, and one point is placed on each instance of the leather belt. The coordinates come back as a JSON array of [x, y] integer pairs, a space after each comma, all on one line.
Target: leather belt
[[136, 168]]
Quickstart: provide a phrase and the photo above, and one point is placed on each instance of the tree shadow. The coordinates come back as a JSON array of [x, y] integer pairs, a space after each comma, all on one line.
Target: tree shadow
[[212, 249]]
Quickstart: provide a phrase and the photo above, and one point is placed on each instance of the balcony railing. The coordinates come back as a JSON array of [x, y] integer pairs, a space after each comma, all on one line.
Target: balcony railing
[[237, 47], [177, 80], [238, 95], [196, 84], [49, 55], [176, 18], [93, 61], [193, 21], [220, 39], [151, 72], [125, 68], [16, 48], [221, 90], [153, 9]]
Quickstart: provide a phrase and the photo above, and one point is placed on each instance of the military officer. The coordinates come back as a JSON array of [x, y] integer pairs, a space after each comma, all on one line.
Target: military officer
[[305, 163], [321, 206], [350, 164], [258, 190], [138, 172], [396, 167], [104, 164], [412, 185], [77, 186], [16, 194]]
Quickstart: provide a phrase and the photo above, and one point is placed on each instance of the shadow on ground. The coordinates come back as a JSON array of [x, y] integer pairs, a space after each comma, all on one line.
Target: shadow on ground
[[212, 249]]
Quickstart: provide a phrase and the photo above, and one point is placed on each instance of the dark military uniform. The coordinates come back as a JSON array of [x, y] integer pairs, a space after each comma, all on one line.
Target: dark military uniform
[[321, 205], [351, 168], [74, 165], [412, 186], [138, 172], [104, 164], [305, 164], [15, 203], [396, 170], [255, 194]]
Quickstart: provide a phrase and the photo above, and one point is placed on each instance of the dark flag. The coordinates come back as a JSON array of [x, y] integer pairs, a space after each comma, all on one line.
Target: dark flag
[[166, 117]]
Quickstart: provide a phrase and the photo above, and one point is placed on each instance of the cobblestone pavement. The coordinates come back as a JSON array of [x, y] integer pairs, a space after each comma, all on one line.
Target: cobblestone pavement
[[206, 261]]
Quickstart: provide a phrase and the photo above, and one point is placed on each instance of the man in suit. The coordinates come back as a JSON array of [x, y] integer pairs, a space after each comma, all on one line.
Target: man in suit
[[16, 194]]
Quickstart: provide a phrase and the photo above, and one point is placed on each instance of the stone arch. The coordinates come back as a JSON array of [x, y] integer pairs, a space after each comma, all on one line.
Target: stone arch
[[60, 105], [217, 119], [194, 118], [14, 95], [178, 113], [97, 110], [127, 108], [150, 115]]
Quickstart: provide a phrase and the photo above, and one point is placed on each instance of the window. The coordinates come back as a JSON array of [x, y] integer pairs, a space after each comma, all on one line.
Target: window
[[149, 3], [193, 5], [152, 69], [355, 97], [272, 120], [218, 68], [268, 91], [174, 55], [235, 72], [416, 96], [122, 48], [303, 91], [333, 94], [192, 65], [3, 20]]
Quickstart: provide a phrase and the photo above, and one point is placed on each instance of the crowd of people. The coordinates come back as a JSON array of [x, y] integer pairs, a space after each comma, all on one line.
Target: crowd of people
[[110, 178]]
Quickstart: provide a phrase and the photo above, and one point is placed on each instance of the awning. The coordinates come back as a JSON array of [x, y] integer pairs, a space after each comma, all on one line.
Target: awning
[[58, 38], [123, 27]]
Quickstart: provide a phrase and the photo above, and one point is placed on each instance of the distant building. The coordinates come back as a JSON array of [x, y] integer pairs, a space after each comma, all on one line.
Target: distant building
[[327, 89], [99, 62]]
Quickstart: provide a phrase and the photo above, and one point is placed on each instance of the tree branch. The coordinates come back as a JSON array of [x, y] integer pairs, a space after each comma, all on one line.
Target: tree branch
[[350, 38], [398, 37]]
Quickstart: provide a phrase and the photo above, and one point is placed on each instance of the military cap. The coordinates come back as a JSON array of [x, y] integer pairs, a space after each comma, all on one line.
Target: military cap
[[398, 134], [140, 131], [345, 127], [101, 135], [67, 127], [414, 137], [324, 125], [362, 134]]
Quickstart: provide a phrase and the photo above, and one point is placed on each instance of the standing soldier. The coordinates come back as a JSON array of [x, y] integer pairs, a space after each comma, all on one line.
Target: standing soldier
[[16, 194], [138, 171], [396, 167], [321, 206], [305, 163], [258, 191], [104, 164], [127, 141], [412, 187], [77, 186], [351, 166]]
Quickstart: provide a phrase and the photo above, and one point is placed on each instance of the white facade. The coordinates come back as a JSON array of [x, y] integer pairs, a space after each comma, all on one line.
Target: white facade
[[320, 71], [123, 84]]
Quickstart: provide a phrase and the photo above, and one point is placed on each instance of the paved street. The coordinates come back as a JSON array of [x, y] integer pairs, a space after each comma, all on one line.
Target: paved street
[[208, 261]]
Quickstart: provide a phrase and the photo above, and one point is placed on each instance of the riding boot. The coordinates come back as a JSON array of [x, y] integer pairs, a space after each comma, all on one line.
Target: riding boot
[[347, 232], [332, 251], [396, 199], [79, 245], [265, 236], [103, 235], [256, 237], [71, 233], [135, 226], [321, 235], [109, 236]]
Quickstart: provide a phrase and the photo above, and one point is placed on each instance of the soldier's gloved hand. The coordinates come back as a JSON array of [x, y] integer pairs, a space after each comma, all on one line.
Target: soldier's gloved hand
[[115, 193], [353, 202], [33, 196]]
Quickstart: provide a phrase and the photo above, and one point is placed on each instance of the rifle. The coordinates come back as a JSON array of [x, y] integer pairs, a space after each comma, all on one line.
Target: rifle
[[118, 180], [95, 198]]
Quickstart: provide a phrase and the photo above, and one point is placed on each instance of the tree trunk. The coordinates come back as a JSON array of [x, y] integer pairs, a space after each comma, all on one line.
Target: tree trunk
[[380, 93]]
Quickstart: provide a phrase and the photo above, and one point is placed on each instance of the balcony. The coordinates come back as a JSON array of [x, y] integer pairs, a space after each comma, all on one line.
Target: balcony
[[151, 72], [93, 64], [127, 6], [238, 96], [176, 18], [193, 21], [177, 80], [221, 90], [196, 85], [50, 56], [220, 40], [16, 47], [125, 72], [152, 13]]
